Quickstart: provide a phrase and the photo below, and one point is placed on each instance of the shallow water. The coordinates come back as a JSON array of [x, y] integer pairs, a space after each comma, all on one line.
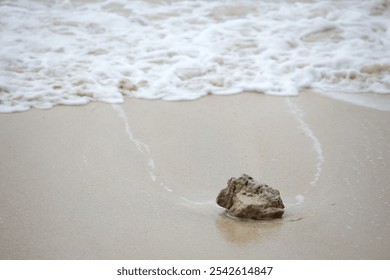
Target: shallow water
[[74, 52]]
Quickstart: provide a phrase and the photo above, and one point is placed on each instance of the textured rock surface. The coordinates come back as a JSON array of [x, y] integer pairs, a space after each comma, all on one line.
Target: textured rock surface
[[246, 198]]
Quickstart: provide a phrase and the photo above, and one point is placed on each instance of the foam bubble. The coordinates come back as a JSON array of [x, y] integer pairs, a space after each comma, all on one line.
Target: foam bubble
[[74, 52]]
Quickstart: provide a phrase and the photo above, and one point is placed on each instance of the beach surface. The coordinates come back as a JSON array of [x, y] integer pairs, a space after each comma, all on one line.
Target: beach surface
[[139, 180]]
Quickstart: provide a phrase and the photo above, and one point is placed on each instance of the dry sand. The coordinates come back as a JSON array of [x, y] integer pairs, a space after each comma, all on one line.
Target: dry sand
[[139, 181]]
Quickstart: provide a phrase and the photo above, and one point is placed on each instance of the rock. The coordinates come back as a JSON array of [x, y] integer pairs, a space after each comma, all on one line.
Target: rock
[[246, 198]]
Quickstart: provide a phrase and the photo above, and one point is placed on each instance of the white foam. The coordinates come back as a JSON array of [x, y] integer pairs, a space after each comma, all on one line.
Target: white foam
[[299, 199], [74, 52]]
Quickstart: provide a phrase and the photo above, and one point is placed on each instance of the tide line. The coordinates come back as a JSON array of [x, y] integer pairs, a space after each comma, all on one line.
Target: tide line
[[141, 146], [298, 115], [144, 149]]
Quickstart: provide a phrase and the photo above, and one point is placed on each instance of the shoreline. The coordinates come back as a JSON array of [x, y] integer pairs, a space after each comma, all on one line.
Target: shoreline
[[139, 180]]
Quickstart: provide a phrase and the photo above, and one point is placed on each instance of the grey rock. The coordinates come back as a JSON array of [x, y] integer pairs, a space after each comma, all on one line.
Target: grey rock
[[246, 198]]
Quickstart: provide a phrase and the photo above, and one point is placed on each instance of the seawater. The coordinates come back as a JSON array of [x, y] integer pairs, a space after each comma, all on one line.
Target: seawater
[[73, 52]]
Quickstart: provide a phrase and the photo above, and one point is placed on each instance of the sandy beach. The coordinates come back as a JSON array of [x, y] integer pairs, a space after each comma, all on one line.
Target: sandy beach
[[139, 180]]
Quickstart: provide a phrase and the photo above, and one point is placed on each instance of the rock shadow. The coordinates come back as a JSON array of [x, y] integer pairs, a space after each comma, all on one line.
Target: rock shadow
[[246, 231]]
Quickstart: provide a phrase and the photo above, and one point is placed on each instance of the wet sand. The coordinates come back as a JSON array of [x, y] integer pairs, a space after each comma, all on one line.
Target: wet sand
[[139, 180]]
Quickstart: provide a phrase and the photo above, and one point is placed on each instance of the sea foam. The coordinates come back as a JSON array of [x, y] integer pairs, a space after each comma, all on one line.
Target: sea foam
[[74, 52]]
